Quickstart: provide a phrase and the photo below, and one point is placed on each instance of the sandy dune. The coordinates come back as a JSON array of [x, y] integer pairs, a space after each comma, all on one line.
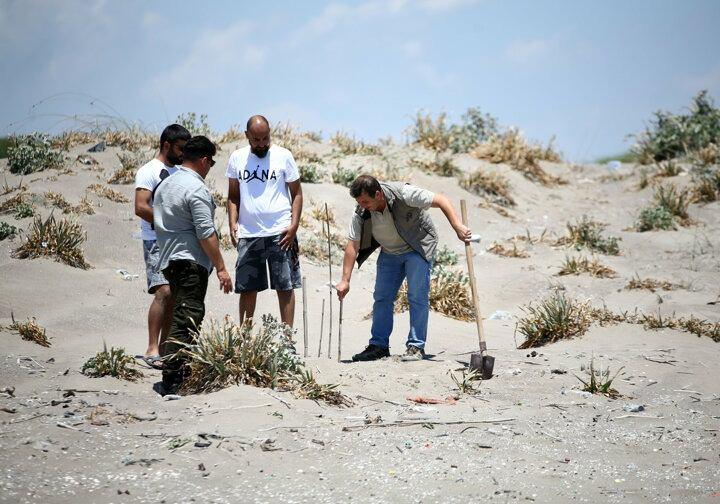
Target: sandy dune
[[541, 440]]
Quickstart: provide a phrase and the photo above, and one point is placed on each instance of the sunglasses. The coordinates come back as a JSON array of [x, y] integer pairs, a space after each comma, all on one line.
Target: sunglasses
[[212, 162]]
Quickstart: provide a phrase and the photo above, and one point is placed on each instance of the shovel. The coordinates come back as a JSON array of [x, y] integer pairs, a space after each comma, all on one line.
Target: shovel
[[479, 361]]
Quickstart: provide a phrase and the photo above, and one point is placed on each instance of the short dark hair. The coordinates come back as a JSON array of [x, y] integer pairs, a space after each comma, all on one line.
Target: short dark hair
[[364, 184], [173, 133], [198, 147]]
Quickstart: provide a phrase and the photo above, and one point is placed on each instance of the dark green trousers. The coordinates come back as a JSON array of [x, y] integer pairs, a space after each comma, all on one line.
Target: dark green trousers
[[188, 284]]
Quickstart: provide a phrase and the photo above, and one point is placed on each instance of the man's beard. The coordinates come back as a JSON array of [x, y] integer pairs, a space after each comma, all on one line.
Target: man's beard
[[261, 153], [174, 160]]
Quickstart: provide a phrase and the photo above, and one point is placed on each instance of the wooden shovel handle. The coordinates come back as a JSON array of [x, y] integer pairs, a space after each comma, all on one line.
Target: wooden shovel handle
[[473, 286]]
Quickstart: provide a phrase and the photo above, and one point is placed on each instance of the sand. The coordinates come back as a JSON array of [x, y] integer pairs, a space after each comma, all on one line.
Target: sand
[[529, 434]]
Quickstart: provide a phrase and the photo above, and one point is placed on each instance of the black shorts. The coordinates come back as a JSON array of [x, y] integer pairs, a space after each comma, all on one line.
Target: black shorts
[[257, 255]]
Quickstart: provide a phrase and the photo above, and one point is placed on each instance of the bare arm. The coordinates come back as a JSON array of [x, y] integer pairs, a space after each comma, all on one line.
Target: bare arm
[[233, 201], [296, 202], [211, 246], [351, 252], [441, 202], [143, 209]]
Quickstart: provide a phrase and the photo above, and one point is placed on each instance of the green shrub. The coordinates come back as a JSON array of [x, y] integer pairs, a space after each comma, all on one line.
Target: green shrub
[[23, 210], [4, 144], [552, 319], [344, 176], [32, 153], [655, 217], [7, 230], [445, 256], [311, 173], [587, 233], [114, 362], [669, 136], [194, 124], [475, 128]]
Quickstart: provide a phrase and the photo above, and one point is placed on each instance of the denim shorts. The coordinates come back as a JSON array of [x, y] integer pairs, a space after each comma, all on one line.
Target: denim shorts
[[155, 277], [257, 256]]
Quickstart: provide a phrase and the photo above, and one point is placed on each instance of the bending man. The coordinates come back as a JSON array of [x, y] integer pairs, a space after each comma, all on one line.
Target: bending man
[[394, 217]]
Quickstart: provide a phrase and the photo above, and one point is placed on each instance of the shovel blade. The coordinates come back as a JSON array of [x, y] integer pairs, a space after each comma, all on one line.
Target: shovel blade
[[482, 363]]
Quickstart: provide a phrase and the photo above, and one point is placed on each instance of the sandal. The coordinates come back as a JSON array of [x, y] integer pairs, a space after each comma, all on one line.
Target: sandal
[[152, 361]]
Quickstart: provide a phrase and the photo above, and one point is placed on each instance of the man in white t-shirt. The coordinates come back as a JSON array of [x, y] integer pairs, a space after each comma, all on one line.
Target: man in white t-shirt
[[148, 177], [264, 206]]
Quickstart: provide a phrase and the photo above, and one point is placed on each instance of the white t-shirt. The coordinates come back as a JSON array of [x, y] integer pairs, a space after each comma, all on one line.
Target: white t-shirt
[[148, 177], [265, 207]]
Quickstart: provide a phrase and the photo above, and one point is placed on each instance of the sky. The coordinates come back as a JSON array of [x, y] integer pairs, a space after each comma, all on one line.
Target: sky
[[588, 73]]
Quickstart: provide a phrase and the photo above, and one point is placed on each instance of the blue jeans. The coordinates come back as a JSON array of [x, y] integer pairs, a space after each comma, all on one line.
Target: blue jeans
[[391, 271]]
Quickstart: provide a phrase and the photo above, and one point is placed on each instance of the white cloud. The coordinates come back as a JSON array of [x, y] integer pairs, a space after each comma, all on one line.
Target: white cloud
[[217, 57], [445, 5], [412, 48], [433, 77], [526, 51]]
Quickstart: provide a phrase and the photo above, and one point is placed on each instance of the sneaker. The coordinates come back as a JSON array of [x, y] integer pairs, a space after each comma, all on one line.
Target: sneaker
[[413, 353], [372, 352]]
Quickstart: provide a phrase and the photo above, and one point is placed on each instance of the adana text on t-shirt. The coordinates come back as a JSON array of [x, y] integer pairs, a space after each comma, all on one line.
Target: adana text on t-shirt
[[265, 207], [148, 177]]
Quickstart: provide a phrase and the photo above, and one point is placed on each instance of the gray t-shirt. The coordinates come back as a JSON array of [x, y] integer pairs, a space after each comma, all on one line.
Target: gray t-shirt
[[183, 212], [383, 227]]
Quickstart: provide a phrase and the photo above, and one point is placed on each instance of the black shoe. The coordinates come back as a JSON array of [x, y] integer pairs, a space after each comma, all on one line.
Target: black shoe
[[372, 352], [413, 353]]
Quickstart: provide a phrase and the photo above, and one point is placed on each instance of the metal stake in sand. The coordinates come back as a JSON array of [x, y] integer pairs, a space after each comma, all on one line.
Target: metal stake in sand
[[479, 361], [330, 286], [340, 331], [322, 319], [305, 320]]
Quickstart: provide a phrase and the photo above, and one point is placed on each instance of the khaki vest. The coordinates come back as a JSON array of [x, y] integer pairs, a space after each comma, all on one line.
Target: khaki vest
[[413, 224]]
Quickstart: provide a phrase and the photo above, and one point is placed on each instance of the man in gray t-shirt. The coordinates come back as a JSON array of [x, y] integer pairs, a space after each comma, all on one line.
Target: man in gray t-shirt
[[394, 217], [189, 249]]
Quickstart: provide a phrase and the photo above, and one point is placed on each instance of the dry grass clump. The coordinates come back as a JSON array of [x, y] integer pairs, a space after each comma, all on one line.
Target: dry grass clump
[[29, 331], [512, 148], [19, 205], [235, 133], [449, 295], [227, 354], [553, 319], [668, 168], [492, 186], [7, 188], [439, 165], [502, 250], [349, 145], [307, 387], [61, 240], [578, 265], [650, 284], [114, 362], [303, 156], [84, 206], [467, 382], [599, 381], [132, 139], [129, 163], [587, 233], [706, 187], [433, 134], [108, 193], [69, 139], [318, 213], [670, 205]]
